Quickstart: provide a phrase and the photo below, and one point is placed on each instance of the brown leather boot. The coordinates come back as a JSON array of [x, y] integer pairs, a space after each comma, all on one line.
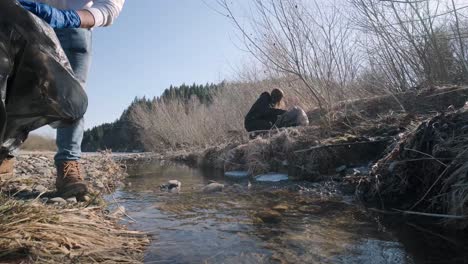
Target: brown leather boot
[[70, 182], [6, 168]]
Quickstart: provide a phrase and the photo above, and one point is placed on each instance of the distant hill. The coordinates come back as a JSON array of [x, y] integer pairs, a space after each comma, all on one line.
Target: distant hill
[[120, 135]]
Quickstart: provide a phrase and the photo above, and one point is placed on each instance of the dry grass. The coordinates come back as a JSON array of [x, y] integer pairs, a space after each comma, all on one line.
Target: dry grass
[[38, 142], [176, 124], [32, 232]]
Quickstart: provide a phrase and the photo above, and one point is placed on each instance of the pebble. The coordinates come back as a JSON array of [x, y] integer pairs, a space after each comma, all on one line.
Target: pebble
[[99, 185], [72, 200], [58, 200], [357, 172], [280, 207], [213, 187], [41, 189]]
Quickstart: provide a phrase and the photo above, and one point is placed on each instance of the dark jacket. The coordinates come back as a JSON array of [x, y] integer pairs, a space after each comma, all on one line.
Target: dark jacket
[[37, 85], [262, 114]]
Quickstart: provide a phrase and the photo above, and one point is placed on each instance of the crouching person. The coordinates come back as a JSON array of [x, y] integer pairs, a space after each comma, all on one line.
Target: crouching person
[[266, 113], [42, 75]]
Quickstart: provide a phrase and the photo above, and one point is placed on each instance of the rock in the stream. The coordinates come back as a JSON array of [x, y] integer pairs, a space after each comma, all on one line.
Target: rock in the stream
[[57, 200], [213, 187], [172, 186], [280, 207], [269, 216]]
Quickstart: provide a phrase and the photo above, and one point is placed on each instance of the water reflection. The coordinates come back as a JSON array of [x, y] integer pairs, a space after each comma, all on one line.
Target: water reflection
[[281, 223]]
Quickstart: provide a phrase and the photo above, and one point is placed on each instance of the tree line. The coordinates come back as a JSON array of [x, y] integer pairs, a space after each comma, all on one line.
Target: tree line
[[121, 135]]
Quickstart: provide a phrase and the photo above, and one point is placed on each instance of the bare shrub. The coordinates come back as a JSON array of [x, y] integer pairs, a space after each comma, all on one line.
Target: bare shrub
[[305, 40], [413, 43], [177, 124], [320, 56]]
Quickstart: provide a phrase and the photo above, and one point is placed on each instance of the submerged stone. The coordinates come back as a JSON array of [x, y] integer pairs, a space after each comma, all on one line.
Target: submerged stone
[[269, 216], [213, 187], [272, 177], [280, 207], [237, 174]]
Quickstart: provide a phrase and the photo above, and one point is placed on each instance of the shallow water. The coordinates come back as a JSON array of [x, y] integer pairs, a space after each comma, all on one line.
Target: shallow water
[[286, 222]]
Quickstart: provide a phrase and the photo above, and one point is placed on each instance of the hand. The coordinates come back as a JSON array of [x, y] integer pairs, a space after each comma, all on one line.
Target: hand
[[56, 18]]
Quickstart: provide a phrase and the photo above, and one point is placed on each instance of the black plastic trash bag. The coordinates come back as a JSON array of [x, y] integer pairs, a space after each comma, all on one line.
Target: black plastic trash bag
[[37, 85]]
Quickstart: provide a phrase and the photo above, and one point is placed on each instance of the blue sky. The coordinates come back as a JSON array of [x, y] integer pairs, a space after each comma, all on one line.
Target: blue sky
[[153, 44]]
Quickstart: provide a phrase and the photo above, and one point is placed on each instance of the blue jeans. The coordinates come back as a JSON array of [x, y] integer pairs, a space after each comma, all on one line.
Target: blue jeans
[[77, 46]]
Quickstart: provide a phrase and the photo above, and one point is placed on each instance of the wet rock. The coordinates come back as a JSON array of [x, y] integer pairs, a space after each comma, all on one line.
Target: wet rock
[[57, 200], [269, 216], [213, 187], [357, 172], [280, 207], [172, 186], [310, 209], [72, 200]]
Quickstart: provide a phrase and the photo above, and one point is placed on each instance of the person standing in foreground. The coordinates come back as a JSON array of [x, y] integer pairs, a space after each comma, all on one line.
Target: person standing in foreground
[[73, 21]]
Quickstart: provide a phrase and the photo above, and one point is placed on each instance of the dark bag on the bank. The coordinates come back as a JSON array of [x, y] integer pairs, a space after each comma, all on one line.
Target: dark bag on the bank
[[37, 84]]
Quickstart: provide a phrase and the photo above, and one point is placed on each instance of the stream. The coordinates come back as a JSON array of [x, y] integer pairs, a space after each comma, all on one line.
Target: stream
[[253, 222]]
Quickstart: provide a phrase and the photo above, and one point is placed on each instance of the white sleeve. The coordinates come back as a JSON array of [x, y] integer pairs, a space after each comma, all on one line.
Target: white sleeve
[[105, 11]]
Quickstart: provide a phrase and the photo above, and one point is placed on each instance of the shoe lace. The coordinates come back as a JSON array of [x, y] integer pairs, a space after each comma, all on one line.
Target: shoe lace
[[72, 169]]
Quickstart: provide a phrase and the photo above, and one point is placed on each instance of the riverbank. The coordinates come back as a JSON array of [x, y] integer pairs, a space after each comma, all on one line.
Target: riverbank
[[36, 226], [362, 134]]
